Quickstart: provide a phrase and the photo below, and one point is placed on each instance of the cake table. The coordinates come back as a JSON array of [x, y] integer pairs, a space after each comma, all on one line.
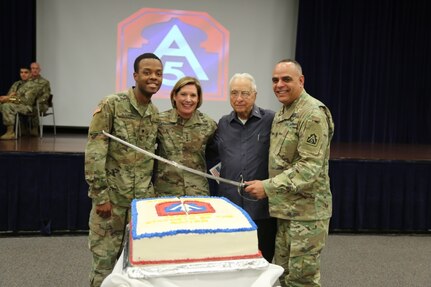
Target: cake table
[[242, 278]]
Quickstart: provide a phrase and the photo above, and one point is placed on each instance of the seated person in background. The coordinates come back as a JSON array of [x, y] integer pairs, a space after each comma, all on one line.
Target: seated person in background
[[24, 73], [19, 99], [43, 90], [182, 136], [242, 145]]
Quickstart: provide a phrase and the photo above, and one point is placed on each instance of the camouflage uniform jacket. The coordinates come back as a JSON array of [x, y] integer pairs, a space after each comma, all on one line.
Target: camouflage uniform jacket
[[298, 187], [25, 93], [183, 142], [114, 171], [42, 89], [16, 86]]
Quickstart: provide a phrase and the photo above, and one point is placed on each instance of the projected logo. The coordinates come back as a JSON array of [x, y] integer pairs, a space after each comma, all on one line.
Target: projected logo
[[189, 43]]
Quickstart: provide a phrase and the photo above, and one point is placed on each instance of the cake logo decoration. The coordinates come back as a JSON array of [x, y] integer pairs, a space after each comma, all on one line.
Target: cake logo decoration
[[182, 208], [188, 43]]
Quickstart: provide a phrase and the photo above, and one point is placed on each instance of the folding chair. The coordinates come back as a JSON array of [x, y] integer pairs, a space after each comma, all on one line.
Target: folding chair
[[41, 115]]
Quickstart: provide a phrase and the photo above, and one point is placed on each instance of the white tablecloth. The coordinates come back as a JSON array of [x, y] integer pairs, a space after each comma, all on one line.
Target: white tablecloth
[[243, 278]]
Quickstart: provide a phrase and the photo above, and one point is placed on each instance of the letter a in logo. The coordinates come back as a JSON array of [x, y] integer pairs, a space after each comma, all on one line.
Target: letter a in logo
[[188, 43]]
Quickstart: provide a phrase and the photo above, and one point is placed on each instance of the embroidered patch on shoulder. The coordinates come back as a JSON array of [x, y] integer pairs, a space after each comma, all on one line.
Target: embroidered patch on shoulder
[[312, 139]]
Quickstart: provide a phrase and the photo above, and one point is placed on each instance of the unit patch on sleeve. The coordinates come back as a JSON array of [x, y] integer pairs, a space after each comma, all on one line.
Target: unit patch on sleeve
[[312, 139]]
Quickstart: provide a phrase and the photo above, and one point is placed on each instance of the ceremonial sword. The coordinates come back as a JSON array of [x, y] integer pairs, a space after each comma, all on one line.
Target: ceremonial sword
[[175, 164]]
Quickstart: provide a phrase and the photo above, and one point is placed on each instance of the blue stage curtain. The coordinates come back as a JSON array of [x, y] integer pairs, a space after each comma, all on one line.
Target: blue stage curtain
[[43, 192], [17, 38], [370, 62], [46, 192], [17, 41], [381, 195]]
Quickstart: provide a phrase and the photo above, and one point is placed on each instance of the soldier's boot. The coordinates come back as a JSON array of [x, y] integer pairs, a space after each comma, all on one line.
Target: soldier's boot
[[9, 135]]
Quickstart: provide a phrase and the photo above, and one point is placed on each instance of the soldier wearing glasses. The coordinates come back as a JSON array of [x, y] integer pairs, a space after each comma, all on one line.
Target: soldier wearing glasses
[[242, 141]]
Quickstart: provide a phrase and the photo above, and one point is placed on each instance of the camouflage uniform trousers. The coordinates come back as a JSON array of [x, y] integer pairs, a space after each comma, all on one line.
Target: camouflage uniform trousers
[[298, 246], [104, 241], [9, 111]]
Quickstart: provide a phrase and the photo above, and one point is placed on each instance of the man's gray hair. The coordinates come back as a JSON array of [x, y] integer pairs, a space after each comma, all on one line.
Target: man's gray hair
[[244, 76]]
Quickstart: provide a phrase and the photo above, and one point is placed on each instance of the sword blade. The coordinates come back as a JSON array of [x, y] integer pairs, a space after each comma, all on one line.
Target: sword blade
[[173, 163], [183, 205]]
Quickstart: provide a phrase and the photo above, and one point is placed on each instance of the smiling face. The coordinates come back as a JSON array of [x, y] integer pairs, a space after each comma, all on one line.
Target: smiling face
[[287, 82], [148, 78], [242, 97], [186, 100]]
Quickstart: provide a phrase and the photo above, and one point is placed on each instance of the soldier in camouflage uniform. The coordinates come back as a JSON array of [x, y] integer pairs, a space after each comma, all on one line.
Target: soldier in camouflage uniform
[[24, 74], [182, 136], [116, 174], [298, 188], [42, 89], [19, 99]]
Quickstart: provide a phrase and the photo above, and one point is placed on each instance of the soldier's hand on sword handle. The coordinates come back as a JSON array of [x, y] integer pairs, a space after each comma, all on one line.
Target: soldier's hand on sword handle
[[255, 189]]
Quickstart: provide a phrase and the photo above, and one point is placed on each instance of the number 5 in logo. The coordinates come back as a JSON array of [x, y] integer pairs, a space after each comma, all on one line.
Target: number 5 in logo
[[189, 44]]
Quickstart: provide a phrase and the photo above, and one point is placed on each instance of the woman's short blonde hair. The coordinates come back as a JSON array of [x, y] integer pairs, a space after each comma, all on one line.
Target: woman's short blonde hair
[[184, 82]]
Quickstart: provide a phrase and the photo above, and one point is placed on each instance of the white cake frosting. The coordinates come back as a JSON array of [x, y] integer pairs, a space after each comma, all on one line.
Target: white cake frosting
[[190, 229]]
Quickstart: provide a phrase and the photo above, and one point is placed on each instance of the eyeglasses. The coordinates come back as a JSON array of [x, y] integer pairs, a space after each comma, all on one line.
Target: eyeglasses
[[244, 94]]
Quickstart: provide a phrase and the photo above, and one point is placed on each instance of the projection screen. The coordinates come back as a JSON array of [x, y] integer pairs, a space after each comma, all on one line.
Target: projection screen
[[86, 47]]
